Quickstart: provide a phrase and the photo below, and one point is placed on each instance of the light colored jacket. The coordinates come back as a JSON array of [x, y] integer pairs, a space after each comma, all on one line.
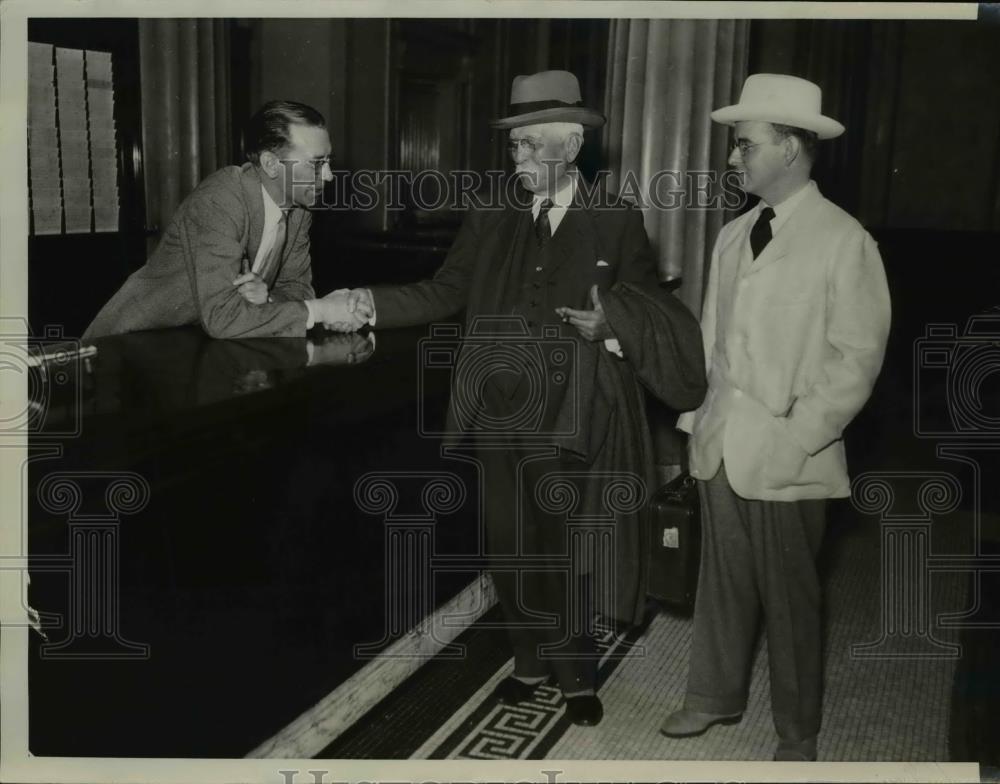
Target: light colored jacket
[[793, 344]]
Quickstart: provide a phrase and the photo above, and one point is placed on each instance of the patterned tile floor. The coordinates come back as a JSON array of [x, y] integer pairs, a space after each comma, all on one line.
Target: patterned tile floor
[[893, 708]]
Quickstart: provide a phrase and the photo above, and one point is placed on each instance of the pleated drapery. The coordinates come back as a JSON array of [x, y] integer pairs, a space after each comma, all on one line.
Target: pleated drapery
[[186, 125], [664, 78]]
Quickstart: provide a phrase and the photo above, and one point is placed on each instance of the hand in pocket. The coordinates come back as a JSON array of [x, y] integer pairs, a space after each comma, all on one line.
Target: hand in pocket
[[785, 458]]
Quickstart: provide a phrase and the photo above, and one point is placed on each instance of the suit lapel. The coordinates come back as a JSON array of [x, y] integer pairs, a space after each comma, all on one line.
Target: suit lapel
[[293, 225], [255, 207], [794, 229], [737, 236], [776, 249], [496, 262], [731, 254], [577, 237]]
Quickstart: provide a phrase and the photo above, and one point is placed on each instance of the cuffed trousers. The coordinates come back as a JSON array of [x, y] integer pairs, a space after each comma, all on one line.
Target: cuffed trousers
[[547, 607], [758, 555]]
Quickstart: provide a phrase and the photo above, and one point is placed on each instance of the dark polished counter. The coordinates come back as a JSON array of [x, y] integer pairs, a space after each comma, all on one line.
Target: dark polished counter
[[200, 562]]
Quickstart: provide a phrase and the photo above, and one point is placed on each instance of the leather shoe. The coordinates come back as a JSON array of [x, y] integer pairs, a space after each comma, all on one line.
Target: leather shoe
[[511, 691], [584, 709], [688, 723], [796, 751]]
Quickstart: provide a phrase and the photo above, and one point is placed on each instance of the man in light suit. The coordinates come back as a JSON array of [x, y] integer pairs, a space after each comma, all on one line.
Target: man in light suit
[[235, 257], [795, 322]]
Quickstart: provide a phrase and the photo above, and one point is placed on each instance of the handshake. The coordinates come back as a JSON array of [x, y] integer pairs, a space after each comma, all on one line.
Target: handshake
[[344, 310]]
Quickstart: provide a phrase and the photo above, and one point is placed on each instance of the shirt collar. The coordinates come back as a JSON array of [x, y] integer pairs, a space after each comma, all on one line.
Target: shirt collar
[[784, 210], [562, 198]]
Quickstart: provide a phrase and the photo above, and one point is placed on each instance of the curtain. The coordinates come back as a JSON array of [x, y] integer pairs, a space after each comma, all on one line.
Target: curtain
[[664, 78], [186, 126], [852, 62]]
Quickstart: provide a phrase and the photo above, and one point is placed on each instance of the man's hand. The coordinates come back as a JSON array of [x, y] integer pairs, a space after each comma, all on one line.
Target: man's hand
[[361, 303], [341, 349], [334, 312], [591, 324], [252, 288]]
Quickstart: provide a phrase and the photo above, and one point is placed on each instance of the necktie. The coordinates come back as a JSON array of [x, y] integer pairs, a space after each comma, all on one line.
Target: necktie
[[543, 230], [274, 254], [760, 234]]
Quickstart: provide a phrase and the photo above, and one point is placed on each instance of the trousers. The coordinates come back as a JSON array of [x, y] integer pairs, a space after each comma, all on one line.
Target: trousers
[[546, 602], [758, 556]]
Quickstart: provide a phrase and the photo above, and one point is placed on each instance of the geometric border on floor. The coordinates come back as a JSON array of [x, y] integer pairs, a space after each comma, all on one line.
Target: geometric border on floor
[[529, 729]]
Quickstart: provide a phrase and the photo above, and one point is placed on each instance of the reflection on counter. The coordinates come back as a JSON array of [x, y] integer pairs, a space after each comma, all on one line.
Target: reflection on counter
[[251, 574]]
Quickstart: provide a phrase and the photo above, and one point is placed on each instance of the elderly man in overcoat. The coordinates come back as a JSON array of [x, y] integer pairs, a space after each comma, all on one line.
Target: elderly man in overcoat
[[566, 274]]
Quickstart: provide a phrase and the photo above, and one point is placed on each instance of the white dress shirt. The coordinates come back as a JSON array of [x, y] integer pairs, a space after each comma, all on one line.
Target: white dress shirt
[[272, 216], [560, 201], [784, 210]]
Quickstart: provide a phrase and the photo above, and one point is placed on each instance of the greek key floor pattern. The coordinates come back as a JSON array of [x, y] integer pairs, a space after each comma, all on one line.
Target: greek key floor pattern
[[491, 731]]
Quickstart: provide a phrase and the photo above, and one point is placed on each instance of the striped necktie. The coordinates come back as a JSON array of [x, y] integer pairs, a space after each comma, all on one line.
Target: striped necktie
[[543, 229]]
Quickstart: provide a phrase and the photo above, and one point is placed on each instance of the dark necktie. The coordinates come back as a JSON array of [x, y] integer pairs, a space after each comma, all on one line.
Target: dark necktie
[[760, 234], [543, 229]]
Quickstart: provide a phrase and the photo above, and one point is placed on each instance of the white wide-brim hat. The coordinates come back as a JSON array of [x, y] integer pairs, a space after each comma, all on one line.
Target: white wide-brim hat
[[782, 99]]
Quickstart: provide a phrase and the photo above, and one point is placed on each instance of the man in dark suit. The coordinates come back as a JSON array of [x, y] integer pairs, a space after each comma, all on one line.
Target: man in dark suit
[[235, 257], [550, 270]]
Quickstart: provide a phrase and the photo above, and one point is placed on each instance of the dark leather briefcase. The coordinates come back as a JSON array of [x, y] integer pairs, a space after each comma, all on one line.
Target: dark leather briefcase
[[675, 543]]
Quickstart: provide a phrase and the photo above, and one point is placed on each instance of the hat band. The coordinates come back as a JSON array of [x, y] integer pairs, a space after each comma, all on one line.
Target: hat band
[[537, 106]]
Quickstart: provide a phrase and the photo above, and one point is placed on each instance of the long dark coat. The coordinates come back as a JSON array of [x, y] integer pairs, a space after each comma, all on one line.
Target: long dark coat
[[597, 415]]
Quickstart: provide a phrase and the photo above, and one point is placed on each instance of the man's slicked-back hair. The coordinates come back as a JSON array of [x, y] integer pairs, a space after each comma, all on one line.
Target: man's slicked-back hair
[[268, 129]]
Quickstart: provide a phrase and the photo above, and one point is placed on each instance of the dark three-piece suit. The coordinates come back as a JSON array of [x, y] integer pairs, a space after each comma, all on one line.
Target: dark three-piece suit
[[562, 438]]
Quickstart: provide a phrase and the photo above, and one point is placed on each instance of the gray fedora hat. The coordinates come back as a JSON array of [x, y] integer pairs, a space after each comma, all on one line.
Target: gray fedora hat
[[544, 97]]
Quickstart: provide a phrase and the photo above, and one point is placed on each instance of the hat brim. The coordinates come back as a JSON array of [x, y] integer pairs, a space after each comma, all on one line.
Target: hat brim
[[590, 118], [824, 127]]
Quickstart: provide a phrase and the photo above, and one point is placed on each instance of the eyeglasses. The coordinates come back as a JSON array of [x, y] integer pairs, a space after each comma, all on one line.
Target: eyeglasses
[[514, 146], [743, 146]]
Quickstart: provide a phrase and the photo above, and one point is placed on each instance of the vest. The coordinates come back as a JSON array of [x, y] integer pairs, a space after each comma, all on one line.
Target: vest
[[527, 395]]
